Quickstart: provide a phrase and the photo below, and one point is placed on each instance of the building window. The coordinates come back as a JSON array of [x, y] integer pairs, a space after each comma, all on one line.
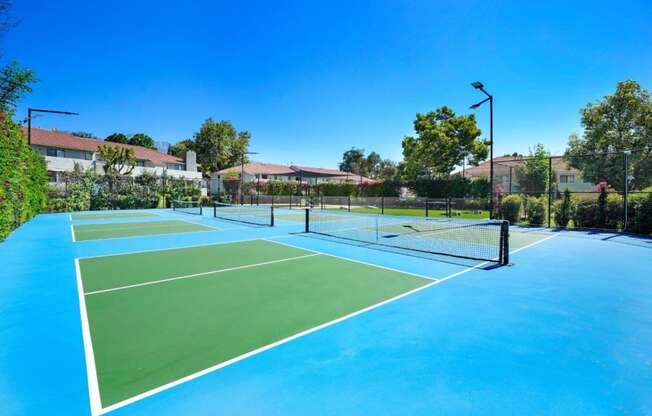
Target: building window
[[264, 176], [140, 163], [567, 178], [88, 156]]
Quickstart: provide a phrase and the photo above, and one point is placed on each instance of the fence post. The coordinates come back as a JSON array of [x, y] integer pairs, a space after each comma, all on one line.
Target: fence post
[[549, 189], [382, 204], [427, 207], [349, 201], [626, 189]]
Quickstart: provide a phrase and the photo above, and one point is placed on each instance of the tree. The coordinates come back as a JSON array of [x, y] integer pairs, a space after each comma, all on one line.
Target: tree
[[141, 139], [15, 81], [354, 161], [620, 122], [219, 145], [443, 141], [388, 170], [117, 160], [180, 148], [83, 134], [373, 167], [117, 138], [533, 174]]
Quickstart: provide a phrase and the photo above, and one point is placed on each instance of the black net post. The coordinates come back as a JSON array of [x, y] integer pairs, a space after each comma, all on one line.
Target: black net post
[[382, 205], [307, 220], [549, 190], [321, 201], [504, 243], [290, 201], [427, 207], [449, 207], [349, 202], [272, 216]]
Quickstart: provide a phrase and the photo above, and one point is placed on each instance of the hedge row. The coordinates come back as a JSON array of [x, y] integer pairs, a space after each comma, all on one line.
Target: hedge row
[[24, 178], [602, 212], [86, 190]]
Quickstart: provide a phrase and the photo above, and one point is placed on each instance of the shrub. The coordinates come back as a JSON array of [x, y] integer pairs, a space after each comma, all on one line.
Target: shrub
[[564, 210], [606, 211], [511, 208], [23, 178], [536, 211], [641, 214]]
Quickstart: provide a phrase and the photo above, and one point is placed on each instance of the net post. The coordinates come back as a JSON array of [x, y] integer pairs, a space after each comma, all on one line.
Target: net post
[[307, 220], [382, 204], [427, 207], [449, 207], [504, 243], [272, 216], [214, 209], [321, 199], [349, 200], [290, 201], [201, 209]]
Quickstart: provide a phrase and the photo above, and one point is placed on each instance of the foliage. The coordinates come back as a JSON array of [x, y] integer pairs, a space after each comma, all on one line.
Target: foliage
[[606, 211], [564, 209], [23, 178], [372, 165], [84, 134], [641, 214], [117, 138], [354, 161], [619, 122], [535, 210], [443, 141], [511, 208], [15, 81], [179, 149], [143, 140], [453, 186], [387, 170], [219, 146], [117, 160], [533, 174], [276, 187]]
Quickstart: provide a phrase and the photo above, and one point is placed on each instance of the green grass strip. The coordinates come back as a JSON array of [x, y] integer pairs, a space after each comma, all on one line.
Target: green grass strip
[[147, 336], [131, 229]]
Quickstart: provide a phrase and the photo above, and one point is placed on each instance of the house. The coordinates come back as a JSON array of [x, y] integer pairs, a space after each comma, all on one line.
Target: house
[[62, 151], [261, 173], [505, 175]]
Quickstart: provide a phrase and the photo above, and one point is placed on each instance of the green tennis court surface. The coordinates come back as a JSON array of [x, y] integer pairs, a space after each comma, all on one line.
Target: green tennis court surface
[[104, 216], [132, 229], [156, 317]]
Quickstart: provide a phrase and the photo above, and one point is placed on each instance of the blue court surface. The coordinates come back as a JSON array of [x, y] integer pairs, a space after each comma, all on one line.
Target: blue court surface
[[564, 329]]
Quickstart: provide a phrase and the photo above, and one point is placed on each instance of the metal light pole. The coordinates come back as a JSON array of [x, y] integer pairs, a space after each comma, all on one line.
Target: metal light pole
[[242, 156], [479, 86], [40, 110]]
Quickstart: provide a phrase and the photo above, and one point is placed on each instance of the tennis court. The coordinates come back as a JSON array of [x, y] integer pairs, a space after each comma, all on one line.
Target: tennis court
[[83, 232], [321, 312]]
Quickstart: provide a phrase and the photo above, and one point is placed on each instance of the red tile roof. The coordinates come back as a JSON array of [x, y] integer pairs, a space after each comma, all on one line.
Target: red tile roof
[[256, 168], [63, 140]]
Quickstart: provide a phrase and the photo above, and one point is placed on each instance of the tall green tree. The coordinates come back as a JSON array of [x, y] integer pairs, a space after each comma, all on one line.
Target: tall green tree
[[373, 166], [443, 141], [118, 160], [533, 174], [141, 139], [180, 148], [219, 145], [619, 122], [117, 138], [84, 134], [387, 170], [354, 161]]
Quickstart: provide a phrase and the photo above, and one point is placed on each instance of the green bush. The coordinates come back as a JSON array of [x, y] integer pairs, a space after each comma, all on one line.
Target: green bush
[[640, 214], [510, 208], [23, 178], [564, 210], [606, 211], [536, 210]]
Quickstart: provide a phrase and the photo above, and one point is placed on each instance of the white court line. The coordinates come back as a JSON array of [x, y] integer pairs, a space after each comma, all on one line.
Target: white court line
[[91, 372], [244, 240], [72, 232], [189, 276], [350, 260], [137, 227], [282, 341], [212, 229]]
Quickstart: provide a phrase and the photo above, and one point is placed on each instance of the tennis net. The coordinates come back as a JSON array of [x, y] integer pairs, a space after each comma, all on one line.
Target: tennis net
[[254, 215], [485, 241], [187, 207]]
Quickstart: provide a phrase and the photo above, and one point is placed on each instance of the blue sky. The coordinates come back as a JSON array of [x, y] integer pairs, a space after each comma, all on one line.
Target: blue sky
[[309, 80]]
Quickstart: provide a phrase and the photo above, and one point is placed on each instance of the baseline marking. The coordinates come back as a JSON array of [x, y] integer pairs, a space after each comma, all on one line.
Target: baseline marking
[[189, 276]]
